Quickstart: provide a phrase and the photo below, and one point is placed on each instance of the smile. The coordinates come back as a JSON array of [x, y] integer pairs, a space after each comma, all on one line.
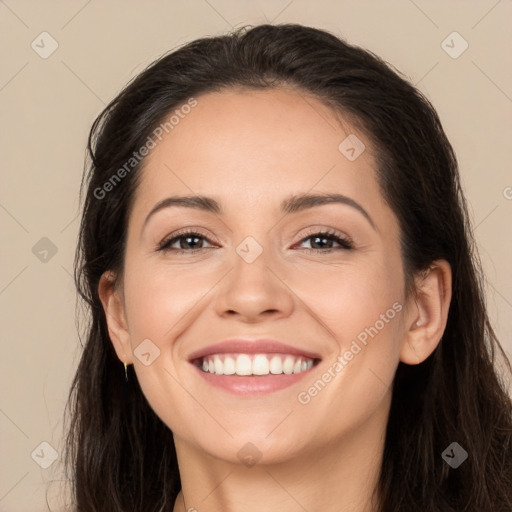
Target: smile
[[251, 368], [255, 364]]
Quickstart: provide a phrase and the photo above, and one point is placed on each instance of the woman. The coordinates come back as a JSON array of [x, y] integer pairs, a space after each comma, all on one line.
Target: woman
[[275, 245]]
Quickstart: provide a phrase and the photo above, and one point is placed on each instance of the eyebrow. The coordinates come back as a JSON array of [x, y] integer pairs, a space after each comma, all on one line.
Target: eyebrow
[[292, 204]]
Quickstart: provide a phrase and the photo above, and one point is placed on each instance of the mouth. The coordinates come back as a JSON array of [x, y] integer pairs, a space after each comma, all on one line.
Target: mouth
[[253, 367], [254, 364]]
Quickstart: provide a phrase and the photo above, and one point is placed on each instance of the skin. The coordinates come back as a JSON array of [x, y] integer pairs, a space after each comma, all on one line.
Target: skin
[[250, 150]]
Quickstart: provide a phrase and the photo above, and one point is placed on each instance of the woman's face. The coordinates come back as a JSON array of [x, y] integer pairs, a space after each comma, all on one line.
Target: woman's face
[[259, 269]]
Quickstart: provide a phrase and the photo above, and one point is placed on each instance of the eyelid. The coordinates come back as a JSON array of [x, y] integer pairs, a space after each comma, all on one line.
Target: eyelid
[[327, 233], [344, 241], [324, 230], [189, 230]]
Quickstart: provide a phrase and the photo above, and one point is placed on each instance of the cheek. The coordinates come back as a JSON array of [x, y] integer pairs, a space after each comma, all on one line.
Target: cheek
[[159, 300], [360, 308], [161, 303], [349, 297]]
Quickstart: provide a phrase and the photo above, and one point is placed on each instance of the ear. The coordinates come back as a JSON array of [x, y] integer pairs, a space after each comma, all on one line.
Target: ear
[[111, 298], [427, 313]]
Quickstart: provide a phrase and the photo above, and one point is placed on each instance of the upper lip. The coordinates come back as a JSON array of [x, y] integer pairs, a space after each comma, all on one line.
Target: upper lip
[[245, 346]]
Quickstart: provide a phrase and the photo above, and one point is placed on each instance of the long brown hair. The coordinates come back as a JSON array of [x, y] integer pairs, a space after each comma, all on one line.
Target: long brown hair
[[120, 454]]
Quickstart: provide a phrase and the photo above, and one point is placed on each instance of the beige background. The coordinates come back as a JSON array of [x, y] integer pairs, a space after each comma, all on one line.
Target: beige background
[[48, 106]]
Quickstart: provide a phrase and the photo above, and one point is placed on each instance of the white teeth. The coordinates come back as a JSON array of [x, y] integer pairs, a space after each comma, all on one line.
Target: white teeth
[[257, 364], [217, 364], [243, 365], [229, 366], [288, 365], [276, 365], [260, 365]]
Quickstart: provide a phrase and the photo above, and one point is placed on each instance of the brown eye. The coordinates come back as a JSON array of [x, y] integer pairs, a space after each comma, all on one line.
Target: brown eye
[[324, 240], [188, 241]]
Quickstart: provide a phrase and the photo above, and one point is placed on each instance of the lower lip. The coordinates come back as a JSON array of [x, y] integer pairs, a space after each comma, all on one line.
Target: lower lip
[[253, 384]]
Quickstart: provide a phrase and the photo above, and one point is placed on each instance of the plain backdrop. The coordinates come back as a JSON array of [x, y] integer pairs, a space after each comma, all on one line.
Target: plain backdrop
[[49, 101]]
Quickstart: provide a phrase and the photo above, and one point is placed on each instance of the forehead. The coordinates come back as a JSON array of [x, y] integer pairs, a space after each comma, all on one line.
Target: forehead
[[245, 146]]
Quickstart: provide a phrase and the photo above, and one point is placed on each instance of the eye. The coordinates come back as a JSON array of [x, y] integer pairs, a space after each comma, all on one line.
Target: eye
[[325, 239], [185, 240], [188, 240]]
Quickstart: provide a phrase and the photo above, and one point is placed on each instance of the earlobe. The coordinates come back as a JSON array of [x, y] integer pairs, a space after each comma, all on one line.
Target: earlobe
[[427, 313], [113, 307]]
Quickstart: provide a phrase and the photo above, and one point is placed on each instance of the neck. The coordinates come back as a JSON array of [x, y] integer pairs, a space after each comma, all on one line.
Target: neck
[[340, 476]]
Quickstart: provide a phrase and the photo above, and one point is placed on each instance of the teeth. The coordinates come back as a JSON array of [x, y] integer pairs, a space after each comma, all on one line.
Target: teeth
[[260, 365], [217, 364], [257, 364], [243, 365], [288, 365], [276, 365], [229, 366]]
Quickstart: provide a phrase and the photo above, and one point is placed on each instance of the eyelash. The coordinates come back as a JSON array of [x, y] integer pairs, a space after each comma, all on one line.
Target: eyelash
[[346, 242]]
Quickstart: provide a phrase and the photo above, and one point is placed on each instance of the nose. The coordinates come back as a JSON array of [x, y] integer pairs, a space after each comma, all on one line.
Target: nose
[[254, 291]]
